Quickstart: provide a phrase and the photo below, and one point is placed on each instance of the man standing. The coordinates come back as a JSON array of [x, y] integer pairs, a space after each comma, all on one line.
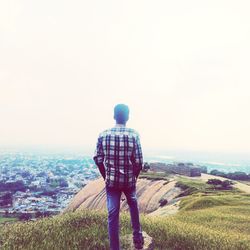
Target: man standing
[[119, 159]]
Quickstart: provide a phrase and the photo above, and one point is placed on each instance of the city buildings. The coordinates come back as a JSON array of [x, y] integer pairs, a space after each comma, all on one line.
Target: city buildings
[[39, 184]]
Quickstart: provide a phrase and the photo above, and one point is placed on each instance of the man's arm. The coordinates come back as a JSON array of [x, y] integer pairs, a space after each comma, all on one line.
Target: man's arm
[[137, 157], [102, 170], [99, 158]]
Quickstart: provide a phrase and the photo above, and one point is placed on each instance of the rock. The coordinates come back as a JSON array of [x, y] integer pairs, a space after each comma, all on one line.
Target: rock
[[127, 242], [149, 193]]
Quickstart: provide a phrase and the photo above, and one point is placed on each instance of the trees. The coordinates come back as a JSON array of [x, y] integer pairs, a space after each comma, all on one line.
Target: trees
[[227, 184], [218, 173], [238, 175], [214, 182], [218, 184]]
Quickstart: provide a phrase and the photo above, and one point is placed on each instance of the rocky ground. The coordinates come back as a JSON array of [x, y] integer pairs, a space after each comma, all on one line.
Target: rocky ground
[[149, 193]]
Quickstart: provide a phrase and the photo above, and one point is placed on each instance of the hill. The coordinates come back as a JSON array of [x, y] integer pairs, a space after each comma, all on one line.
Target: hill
[[203, 222], [154, 192], [207, 218]]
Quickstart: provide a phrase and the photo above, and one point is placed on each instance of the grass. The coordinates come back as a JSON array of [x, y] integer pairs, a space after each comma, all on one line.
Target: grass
[[204, 222], [154, 176], [4, 219], [202, 201]]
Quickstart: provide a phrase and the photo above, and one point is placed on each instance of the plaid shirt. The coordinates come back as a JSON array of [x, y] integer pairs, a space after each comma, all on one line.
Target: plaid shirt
[[119, 149]]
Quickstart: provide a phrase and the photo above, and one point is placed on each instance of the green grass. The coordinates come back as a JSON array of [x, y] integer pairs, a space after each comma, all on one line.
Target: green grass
[[202, 201], [154, 176], [204, 222], [4, 219]]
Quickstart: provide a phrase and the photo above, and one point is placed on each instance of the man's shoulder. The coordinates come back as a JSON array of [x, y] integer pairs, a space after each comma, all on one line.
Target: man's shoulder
[[104, 132], [133, 132]]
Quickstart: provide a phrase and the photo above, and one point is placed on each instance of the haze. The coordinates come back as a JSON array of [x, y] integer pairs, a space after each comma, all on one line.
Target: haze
[[181, 66]]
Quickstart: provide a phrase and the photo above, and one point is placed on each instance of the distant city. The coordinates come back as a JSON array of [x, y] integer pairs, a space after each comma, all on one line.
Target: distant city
[[34, 185]]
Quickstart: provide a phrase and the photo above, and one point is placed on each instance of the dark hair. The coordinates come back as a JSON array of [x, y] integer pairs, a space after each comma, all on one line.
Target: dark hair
[[121, 113]]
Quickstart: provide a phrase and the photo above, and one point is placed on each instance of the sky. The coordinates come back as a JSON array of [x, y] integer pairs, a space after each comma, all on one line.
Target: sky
[[181, 66]]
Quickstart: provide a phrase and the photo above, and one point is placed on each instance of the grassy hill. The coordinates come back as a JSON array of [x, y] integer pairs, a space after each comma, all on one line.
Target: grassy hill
[[205, 221]]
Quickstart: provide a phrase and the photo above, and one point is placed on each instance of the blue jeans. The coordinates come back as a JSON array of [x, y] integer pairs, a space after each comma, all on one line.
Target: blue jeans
[[113, 205]]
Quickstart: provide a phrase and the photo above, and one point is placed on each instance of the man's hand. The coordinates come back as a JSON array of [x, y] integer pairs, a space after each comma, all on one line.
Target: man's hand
[[102, 170], [137, 172]]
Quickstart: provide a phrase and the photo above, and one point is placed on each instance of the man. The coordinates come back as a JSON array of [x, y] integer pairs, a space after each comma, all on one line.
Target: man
[[119, 159]]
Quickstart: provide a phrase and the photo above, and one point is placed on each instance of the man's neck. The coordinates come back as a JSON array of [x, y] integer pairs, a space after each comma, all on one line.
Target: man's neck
[[120, 125]]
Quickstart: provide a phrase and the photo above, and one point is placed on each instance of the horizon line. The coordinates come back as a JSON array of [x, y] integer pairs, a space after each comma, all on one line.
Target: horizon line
[[56, 147]]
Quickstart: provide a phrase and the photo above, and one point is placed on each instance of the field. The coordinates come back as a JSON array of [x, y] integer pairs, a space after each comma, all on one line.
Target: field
[[205, 221]]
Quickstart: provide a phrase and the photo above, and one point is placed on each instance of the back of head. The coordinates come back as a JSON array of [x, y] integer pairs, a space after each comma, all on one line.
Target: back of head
[[121, 113]]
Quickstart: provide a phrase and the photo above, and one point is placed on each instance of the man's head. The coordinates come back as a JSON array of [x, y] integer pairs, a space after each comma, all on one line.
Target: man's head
[[121, 113]]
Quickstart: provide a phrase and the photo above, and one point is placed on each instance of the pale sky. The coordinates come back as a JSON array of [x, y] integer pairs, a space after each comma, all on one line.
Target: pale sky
[[183, 67]]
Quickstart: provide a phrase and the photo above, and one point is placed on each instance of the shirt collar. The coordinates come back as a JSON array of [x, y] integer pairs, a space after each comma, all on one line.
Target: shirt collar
[[120, 125]]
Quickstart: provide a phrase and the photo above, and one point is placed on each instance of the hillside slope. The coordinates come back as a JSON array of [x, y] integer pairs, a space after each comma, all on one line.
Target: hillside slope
[[150, 193], [207, 219], [204, 222]]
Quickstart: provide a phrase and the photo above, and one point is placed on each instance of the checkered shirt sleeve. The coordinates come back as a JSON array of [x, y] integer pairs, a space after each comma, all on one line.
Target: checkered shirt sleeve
[[137, 158], [99, 154]]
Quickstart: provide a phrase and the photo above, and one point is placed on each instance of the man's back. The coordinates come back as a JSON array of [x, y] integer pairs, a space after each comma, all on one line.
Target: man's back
[[119, 149], [118, 156]]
